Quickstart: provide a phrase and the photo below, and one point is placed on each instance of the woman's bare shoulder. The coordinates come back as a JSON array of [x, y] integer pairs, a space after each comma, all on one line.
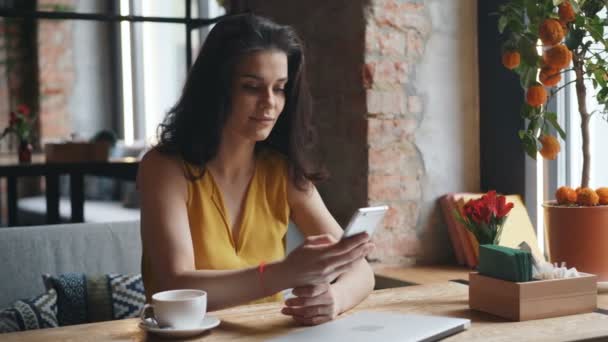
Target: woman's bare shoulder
[[157, 159], [158, 165]]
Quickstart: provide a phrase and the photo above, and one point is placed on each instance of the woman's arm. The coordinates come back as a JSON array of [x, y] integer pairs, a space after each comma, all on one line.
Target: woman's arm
[[167, 243], [311, 216]]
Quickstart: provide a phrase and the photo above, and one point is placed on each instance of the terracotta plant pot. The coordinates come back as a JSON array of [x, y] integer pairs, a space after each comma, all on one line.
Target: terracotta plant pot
[[578, 236]]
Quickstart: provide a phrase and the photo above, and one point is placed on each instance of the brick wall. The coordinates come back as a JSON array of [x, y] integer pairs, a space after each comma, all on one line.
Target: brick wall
[[395, 36], [362, 57], [334, 36], [56, 67]]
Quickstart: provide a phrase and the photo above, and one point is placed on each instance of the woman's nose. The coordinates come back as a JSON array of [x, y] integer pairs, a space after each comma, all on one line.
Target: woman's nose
[[268, 98]]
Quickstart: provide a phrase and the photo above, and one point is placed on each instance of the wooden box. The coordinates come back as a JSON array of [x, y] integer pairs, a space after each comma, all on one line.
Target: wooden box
[[74, 152], [533, 299]]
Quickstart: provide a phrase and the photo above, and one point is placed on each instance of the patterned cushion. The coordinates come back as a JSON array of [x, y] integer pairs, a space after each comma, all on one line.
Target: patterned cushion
[[35, 313], [85, 299], [128, 295]]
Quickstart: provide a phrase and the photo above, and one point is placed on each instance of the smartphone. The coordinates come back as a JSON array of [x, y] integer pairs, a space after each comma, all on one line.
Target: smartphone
[[365, 220]]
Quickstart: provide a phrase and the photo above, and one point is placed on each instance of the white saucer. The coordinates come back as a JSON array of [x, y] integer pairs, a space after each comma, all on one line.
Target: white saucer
[[209, 322]]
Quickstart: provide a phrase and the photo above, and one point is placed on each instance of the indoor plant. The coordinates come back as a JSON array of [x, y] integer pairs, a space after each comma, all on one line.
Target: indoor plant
[[545, 39], [21, 124]]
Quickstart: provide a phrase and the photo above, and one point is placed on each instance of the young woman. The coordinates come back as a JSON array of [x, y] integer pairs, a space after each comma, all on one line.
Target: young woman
[[231, 170]]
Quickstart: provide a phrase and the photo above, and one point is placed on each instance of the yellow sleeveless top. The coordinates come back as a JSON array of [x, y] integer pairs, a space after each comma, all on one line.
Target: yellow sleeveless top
[[263, 226]]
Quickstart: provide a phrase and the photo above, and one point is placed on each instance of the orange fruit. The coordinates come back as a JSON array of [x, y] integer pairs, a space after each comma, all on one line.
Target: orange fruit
[[566, 12], [603, 195], [549, 76], [587, 197], [551, 32], [510, 59], [550, 147], [565, 195], [558, 57], [536, 95]]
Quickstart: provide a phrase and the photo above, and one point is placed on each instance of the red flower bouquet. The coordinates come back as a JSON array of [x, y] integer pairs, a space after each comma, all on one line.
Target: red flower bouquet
[[21, 124], [485, 217]]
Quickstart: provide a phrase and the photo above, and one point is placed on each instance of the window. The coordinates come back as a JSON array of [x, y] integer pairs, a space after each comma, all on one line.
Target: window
[[153, 60]]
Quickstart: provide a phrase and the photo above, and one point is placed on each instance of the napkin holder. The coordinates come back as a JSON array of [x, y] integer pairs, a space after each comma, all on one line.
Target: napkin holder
[[533, 299]]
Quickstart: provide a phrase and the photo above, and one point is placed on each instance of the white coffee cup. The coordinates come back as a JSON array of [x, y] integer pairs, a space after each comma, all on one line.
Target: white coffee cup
[[178, 309]]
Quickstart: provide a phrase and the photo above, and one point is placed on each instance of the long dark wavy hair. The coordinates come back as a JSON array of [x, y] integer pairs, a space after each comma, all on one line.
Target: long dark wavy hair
[[192, 128]]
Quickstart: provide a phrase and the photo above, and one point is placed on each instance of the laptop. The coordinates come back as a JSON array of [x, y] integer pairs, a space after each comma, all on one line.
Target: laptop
[[380, 326]]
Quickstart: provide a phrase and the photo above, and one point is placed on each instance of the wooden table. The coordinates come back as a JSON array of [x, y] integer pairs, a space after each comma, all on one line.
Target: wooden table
[[422, 274], [263, 321], [122, 168]]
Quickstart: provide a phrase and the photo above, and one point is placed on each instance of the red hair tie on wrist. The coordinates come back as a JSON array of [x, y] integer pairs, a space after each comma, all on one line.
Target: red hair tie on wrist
[[261, 269]]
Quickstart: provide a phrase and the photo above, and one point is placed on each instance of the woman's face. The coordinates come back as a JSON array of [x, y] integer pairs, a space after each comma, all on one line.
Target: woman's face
[[258, 95]]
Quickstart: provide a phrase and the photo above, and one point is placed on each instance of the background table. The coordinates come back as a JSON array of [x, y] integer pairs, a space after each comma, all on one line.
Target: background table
[[123, 168]]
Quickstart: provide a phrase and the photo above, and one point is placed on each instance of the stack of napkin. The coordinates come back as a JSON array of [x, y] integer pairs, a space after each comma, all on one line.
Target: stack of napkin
[[505, 263]]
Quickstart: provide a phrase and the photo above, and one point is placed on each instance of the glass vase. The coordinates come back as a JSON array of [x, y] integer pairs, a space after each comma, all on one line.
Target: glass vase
[[25, 152]]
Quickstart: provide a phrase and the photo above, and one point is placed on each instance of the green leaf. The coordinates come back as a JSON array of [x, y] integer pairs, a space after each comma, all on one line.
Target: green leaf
[[502, 23], [521, 134], [598, 76], [531, 8], [552, 119], [595, 28], [529, 112], [602, 95], [530, 148], [557, 2], [527, 49], [533, 126], [528, 76]]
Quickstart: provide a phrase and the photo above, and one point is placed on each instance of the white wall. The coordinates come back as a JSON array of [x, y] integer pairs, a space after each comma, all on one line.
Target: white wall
[[448, 136]]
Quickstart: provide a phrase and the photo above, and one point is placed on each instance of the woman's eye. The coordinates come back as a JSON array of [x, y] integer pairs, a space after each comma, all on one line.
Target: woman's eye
[[279, 90], [250, 87]]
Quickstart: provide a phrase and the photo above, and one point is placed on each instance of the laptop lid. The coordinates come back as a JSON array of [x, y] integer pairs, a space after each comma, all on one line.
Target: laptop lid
[[380, 326]]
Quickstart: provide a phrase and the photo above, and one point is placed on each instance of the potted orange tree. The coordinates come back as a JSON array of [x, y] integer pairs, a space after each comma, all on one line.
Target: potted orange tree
[[544, 40]]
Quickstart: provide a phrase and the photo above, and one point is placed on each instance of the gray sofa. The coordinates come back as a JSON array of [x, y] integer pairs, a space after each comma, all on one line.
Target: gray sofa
[[92, 248]]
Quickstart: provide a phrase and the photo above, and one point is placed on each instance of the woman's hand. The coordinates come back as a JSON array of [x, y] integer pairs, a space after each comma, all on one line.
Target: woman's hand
[[321, 259], [314, 304]]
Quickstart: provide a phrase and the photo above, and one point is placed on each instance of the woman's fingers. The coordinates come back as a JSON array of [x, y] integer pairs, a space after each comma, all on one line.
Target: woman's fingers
[[305, 301], [308, 311], [346, 245], [311, 290], [315, 304], [311, 320]]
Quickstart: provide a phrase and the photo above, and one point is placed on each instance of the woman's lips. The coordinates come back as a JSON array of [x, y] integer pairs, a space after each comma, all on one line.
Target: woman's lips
[[262, 119]]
